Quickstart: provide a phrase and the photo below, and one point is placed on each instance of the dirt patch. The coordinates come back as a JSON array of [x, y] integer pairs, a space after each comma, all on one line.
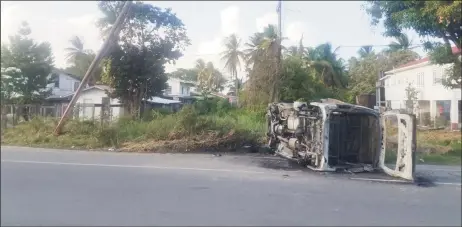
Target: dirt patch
[[210, 141]]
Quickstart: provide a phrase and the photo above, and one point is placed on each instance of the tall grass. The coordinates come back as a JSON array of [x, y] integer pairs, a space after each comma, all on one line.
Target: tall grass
[[204, 124]]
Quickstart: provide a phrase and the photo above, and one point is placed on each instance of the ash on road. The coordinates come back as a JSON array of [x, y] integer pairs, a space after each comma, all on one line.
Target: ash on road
[[58, 187]]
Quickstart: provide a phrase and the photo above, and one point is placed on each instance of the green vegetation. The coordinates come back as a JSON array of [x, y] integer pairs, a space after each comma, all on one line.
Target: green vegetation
[[430, 19], [207, 124], [433, 147], [26, 66]]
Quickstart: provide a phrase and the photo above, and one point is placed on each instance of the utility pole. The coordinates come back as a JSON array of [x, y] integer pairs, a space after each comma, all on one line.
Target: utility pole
[[279, 55], [115, 30]]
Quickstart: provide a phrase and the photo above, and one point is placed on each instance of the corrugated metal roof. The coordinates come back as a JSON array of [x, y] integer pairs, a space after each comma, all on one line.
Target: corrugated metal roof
[[162, 101]]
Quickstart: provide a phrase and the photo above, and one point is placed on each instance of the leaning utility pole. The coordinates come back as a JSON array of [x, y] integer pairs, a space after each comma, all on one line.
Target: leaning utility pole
[[115, 30]]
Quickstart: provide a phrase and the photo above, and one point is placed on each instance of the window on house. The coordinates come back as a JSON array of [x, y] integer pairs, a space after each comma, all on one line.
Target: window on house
[[436, 76], [76, 85], [168, 90], [420, 79], [55, 78]]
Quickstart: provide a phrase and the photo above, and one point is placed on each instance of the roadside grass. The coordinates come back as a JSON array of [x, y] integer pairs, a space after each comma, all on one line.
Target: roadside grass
[[452, 157], [433, 147], [194, 127]]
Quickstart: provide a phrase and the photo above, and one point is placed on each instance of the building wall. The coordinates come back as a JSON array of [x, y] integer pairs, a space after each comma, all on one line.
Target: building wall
[[425, 78], [428, 88], [66, 85], [178, 87], [94, 96]]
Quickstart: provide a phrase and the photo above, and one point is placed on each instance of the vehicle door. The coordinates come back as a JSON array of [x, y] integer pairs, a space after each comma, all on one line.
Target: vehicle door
[[397, 158]]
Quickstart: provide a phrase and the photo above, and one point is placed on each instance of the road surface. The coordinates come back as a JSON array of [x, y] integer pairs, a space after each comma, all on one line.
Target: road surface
[[59, 187]]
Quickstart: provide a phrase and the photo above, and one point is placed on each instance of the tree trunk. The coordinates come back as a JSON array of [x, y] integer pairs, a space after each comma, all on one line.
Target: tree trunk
[[236, 89]]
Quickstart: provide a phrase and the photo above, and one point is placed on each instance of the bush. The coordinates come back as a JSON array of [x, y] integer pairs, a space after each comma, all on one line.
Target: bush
[[152, 114]]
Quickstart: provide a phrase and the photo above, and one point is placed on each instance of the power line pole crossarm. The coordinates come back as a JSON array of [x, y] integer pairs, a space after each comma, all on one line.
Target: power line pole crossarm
[[115, 30]]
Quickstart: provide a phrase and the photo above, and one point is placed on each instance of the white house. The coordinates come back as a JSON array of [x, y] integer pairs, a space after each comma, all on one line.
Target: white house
[[433, 97], [91, 99], [180, 90], [64, 84]]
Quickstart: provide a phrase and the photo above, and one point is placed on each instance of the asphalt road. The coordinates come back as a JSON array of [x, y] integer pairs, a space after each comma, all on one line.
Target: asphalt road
[[58, 187]]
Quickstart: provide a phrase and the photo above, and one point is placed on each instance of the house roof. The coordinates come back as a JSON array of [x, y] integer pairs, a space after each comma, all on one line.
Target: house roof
[[100, 87], [56, 70], [59, 95], [454, 49], [152, 100], [162, 101]]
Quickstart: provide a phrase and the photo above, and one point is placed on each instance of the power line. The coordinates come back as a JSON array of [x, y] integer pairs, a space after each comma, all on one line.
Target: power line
[[340, 46]]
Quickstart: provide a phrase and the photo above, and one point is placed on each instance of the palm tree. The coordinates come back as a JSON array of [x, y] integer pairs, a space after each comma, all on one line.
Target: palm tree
[[328, 68], [253, 51], [76, 51], [210, 79], [365, 51], [270, 41], [80, 60], [233, 55], [298, 51], [402, 43]]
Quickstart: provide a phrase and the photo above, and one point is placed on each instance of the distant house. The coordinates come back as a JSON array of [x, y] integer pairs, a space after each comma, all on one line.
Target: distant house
[[433, 98], [88, 105], [62, 88], [180, 90]]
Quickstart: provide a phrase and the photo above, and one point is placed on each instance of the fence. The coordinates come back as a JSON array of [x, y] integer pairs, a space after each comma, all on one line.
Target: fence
[[12, 115]]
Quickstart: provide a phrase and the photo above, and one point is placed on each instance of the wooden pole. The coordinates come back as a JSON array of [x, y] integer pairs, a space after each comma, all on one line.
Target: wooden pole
[[115, 30], [279, 55]]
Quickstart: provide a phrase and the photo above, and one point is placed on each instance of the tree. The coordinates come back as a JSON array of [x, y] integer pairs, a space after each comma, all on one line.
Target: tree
[[26, 68], [402, 43], [80, 60], [438, 19], [254, 51], [298, 51], [185, 74], [233, 55], [365, 51], [11, 78], [363, 73], [300, 82], [150, 38], [411, 98], [328, 68], [210, 79], [271, 44], [265, 68], [261, 65]]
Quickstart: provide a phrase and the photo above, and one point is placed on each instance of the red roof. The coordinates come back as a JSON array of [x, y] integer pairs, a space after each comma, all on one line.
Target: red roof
[[455, 50]]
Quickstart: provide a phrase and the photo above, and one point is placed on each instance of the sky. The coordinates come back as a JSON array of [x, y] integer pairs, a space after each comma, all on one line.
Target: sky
[[343, 24]]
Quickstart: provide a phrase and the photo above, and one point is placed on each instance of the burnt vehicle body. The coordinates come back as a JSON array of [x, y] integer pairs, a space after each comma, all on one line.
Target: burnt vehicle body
[[332, 136]]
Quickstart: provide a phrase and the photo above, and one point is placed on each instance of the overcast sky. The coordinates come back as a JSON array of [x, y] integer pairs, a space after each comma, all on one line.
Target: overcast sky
[[208, 22]]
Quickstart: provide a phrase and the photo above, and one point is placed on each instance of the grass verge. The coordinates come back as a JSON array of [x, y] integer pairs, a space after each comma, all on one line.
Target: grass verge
[[433, 147], [186, 130]]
